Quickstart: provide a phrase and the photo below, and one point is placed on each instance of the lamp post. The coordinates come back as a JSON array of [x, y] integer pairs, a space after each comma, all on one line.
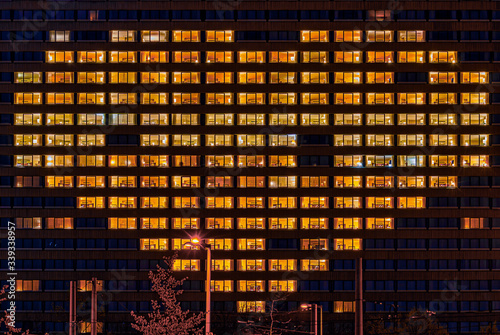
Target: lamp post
[[198, 243], [315, 316]]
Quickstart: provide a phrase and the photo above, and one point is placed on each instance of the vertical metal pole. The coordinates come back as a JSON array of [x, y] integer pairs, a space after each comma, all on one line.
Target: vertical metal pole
[[93, 311], [358, 315], [321, 320], [72, 307], [311, 330], [315, 319], [208, 289]]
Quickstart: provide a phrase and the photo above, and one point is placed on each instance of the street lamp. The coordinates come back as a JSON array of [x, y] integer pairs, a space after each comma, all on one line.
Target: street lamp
[[199, 243], [315, 316]]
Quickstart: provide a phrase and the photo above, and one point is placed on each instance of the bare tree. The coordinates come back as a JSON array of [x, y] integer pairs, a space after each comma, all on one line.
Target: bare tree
[[7, 320], [167, 316]]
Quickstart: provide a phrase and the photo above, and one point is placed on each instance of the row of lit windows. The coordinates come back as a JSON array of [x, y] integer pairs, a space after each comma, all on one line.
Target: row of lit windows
[[260, 306], [194, 140], [246, 223], [242, 77], [250, 202], [248, 119], [227, 161], [402, 182], [291, 98], [250, 56]]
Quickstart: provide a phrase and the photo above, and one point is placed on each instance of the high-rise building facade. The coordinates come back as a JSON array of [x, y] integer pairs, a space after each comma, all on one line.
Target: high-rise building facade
[[295, 136]]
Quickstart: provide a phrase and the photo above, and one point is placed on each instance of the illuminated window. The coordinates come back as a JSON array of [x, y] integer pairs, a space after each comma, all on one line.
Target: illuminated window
[[186, 265], [28, 77], [442, 181], [411, 140], [314, 202], [251, 181], [154, 36], [152, 119], [219, 202], [219, 223], [219, 98], [59, 57], [314, 264], [93, 98], [314, 99], [474, 161], [186, 98], [315, 78], [314, 244], [411, 182], [219, 119], [348, 161], [442, 119], [379, 36], [379, 56], [251, 306], [347, 202], [449, 140], [282, 286], [31, 119], [474, 77], [185, 181], [416, 161], [314, 57], [411, 36], [59, 98], [59, 140], [282, 265], [314, 35], [313, 223], [123, 56], [411, 119], [122, 36], [379, 15], [251, 202], [36, 160], [122, 202], [153, 182], [379, 98], [94, 181], [283, 78], [411, 202], [348, 57], [27, 98], [340, 140], [246, 140], [122, 223], [252, 244], [467, 119], [251, 56], [122, 119], [186, 36], [59, 77], [227, 77], [476, 140], [154, 202], [185, 160], [185, 119], [218, 36], [379, 161], [221, 285], [59, 36], [219, 181], [247, 77], [283, 119], [282, 98], [58, 223], [91, 56], [222, 265], [347, 244], [348, 35], [219, 57], [347, 78], [251, 99], [122, 77], [411, 98], [251, 223], [251, 161], [442, 160], [411, 57], [379, 202], [90, 202], [188, 56], [153, 161], [442, 77], [347, 119], [251, 119], [27, 285], [160, 98], [282, 140], [58, 181], [153, 57], [122, 161], [183, 244], [283, 57], [443, 98], [185, 78], [442, 56], [379, 119], [154, 140], [474, 98], [90, 78], [90, 160], [347, 223], [251, 286], [221, 140], [347, 98], [380, 77], [35, 181], [283, 223], [220, 243], [154, 223], [343, 307], [314, 119], [347, 182], [31, 223], [474, 223]]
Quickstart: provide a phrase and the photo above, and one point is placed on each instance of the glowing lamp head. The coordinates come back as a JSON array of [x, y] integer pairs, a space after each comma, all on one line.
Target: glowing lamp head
[[195, 241]]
